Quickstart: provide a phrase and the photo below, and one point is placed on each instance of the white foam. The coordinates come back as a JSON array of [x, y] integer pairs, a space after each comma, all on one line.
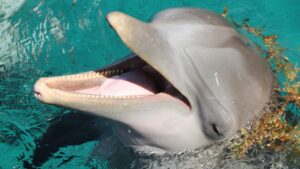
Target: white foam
[[9, 7], [7, 46]]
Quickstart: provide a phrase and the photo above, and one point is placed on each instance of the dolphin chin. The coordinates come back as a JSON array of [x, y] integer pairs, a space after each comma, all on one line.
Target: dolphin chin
[[191, 81]]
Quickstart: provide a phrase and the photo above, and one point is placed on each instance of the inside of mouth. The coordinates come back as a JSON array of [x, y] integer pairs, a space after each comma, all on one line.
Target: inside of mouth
[[131, 83], [135, 81]]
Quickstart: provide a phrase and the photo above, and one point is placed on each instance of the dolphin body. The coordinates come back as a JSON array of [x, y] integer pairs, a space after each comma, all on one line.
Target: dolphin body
[[193, 80]]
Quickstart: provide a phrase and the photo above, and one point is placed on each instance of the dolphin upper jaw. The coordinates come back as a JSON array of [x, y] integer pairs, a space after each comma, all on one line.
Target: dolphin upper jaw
[[148, 45]]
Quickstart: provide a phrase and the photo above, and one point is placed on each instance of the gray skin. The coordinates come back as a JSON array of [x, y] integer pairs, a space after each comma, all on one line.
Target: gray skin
[[200, 57]]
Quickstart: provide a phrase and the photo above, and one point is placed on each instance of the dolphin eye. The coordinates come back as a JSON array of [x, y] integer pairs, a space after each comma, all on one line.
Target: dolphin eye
[[214, 131], [214, 126]]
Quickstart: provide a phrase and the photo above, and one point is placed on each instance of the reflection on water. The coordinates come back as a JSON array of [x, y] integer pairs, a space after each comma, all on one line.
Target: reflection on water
[[43, 38]]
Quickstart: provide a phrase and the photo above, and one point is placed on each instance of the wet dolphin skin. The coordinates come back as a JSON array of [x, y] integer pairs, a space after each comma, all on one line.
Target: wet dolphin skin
[[192, 80]]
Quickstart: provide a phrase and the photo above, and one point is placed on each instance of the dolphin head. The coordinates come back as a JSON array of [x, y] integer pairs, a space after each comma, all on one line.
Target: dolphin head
[[192, 78]]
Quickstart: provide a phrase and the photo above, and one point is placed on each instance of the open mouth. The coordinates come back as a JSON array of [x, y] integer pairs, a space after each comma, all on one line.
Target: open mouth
[[131, 78]]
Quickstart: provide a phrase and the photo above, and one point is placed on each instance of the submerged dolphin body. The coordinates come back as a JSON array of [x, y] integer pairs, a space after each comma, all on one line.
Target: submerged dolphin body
[[193, 80]]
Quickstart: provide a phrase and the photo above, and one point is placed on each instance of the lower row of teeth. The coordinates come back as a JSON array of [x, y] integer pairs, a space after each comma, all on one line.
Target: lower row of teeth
[[97, 96]]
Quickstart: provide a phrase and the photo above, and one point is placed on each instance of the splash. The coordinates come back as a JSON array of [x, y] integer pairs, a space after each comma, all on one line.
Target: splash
[[9, 55]]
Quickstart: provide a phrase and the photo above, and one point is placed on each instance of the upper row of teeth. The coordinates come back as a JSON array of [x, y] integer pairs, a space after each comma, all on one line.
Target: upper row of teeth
[[111, 72], [90, 75]]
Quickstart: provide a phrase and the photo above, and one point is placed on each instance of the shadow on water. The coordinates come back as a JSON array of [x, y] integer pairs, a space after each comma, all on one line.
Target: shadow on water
[[68, 130]]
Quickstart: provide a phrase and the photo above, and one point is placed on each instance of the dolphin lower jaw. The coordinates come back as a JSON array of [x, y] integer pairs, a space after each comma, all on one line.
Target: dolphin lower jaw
[[138, 112], [164, 133]]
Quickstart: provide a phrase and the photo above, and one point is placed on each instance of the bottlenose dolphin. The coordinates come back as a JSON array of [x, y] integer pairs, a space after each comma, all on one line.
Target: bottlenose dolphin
[[193, 80]]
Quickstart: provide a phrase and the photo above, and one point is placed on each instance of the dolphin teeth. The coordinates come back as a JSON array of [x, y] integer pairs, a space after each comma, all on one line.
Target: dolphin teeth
[[56, 90], [105, 73], [121, 97], [112, 72], [108, 96], [79, 76], [92, 75], [109, 73], [95, 96], [82, 75]]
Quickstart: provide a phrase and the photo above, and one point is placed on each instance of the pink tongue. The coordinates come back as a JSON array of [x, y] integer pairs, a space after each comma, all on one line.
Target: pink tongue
[[127, 84]]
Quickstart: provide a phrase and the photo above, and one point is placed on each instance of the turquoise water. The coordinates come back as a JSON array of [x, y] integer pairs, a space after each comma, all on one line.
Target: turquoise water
[[53, 37]]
